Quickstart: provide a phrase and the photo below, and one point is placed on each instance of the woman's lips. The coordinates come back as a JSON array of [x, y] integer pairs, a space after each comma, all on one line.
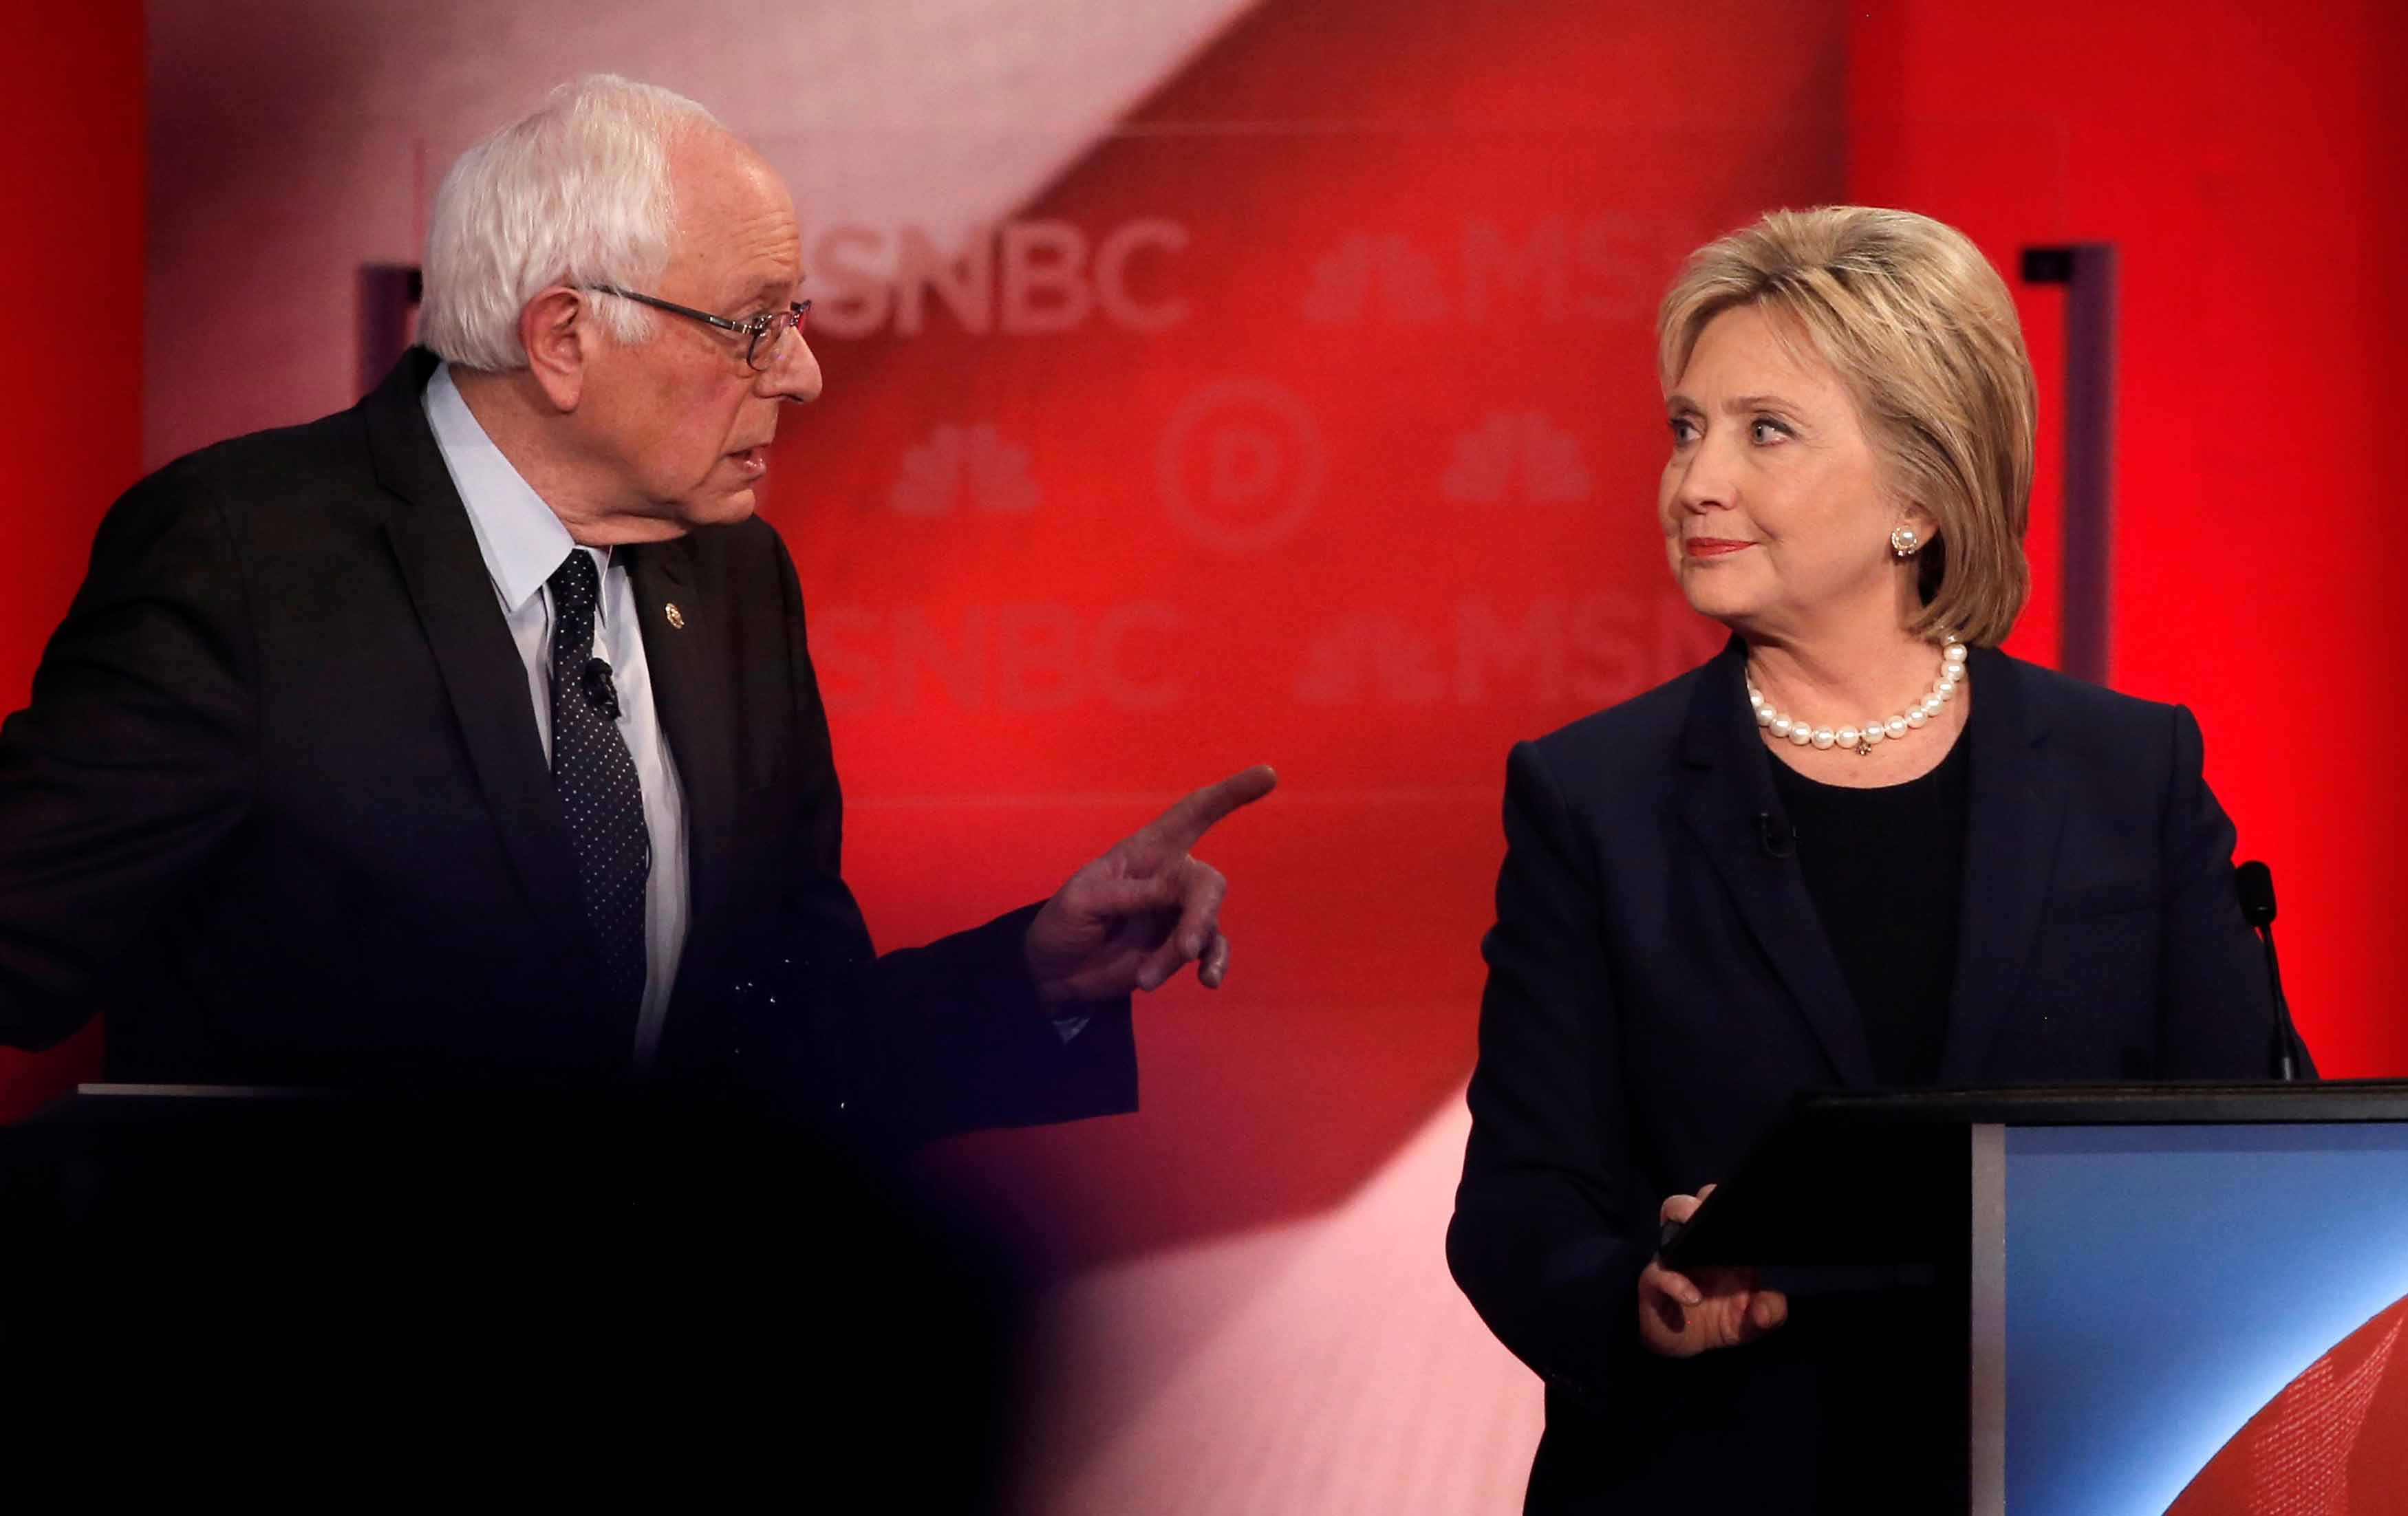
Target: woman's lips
[[751, 461], [1711, 547]]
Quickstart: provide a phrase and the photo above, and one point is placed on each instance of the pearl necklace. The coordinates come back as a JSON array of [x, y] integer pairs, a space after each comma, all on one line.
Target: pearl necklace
[[1944, 689]]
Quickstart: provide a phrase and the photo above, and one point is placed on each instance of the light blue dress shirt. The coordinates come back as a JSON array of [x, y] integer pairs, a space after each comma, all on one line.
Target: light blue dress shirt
[[524, 545]]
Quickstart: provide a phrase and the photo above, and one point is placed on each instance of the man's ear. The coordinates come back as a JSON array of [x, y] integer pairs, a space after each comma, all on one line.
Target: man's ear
[[559, 343]]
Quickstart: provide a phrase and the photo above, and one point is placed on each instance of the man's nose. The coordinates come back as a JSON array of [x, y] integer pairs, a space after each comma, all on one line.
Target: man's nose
[[794, 374]]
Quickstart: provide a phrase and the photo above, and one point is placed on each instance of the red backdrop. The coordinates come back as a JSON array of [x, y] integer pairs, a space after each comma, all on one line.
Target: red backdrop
[[71, 304], [2245, 160], [1340, 455], [1409, 279], [1309, 420]]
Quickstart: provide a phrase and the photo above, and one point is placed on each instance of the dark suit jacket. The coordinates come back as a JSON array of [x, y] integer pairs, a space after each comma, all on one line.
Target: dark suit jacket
[[1660, 987], [278, 808]]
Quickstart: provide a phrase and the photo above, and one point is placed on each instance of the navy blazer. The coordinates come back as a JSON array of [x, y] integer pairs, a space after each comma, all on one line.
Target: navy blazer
[[1660, 988], [280, 807]]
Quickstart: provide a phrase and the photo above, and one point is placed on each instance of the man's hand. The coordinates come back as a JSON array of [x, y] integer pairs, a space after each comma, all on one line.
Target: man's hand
[[1130, 919], [1679, 1317]]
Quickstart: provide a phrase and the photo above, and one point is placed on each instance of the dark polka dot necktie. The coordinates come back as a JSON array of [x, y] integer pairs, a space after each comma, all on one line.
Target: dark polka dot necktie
[[596, 780]]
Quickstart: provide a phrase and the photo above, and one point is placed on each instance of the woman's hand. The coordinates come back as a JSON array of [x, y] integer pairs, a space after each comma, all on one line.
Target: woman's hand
[[1681, 1316]]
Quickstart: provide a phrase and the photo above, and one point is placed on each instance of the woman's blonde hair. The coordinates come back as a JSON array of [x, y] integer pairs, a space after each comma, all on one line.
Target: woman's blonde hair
[[1921, 330]]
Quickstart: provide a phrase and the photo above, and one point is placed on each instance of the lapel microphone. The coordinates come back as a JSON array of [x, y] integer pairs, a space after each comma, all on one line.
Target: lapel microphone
[[2255, 884], [600, 691], [1773, 835]]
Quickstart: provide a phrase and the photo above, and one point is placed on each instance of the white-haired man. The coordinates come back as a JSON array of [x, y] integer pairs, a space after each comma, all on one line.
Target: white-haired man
[[470, 735]]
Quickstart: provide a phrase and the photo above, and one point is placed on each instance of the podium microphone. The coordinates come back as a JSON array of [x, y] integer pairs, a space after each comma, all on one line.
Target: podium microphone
[[2255, 884]]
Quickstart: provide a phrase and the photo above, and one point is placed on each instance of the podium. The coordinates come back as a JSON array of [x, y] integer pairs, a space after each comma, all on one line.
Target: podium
[[2174, 1297], [575, 1288]]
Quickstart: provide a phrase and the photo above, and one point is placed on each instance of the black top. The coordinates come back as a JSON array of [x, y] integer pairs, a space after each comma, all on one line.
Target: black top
[[1885, 868]]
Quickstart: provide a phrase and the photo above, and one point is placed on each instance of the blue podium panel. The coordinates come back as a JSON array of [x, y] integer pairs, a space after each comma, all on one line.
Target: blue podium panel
[[2164, 1283]]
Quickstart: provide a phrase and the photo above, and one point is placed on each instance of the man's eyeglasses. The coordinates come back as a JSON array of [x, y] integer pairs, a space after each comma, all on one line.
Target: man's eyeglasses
[[765, 335]]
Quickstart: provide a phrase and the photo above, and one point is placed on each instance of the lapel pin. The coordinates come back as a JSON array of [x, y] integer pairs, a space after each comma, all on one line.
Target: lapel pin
[[677, 617]]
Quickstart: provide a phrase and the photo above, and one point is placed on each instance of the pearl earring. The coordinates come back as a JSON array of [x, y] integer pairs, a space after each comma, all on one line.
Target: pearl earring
[[1904, 541]]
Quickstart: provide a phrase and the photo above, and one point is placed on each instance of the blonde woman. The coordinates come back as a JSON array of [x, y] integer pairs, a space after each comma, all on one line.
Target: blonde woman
[[1861, 848]]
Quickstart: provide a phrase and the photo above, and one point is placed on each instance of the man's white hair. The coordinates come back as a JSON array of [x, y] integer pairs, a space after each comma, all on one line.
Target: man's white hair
[[579, 193]]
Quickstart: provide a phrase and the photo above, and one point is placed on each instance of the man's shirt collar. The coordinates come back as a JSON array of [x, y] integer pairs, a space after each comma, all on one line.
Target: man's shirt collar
[[522, 540]]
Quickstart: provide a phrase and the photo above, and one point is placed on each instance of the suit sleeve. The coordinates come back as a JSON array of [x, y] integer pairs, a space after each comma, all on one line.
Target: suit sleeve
[[1546, 1239], [133, 763], [943, 1038], [2215, 1009]]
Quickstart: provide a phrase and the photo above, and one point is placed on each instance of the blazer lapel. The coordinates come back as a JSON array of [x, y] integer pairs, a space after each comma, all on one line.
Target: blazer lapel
[[445, 571], [1729, 793], [682, 638], [2015, 810]]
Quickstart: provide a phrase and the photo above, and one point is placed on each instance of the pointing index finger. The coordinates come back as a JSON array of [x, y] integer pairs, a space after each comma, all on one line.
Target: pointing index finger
[[1185, 823]]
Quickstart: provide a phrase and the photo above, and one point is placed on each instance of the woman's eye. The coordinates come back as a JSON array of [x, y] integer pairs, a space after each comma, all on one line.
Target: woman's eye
[[1684, 430], [1763, 431]]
